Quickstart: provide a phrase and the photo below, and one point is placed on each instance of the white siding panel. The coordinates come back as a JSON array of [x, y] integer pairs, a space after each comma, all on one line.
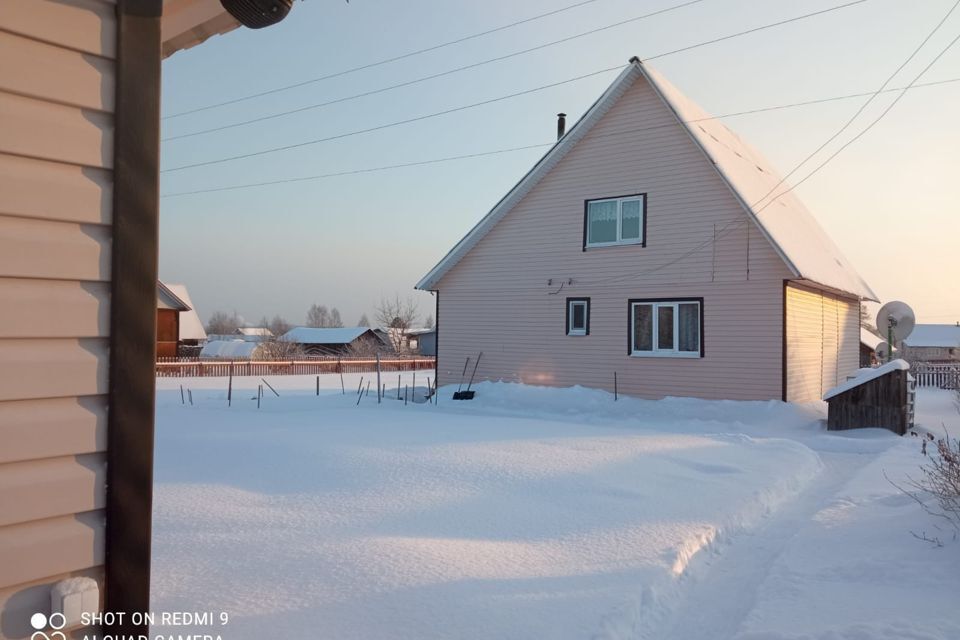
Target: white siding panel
[[84, 25], [34, 429], [37, 70], [822, 341], [39, 489], [54, 308], [52, 368], [504, 296], [57, 250], [39, 129], [50, 547], [52, 191]]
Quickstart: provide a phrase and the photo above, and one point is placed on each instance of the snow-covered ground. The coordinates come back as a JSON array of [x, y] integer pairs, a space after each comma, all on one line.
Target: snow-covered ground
[[534, 513]]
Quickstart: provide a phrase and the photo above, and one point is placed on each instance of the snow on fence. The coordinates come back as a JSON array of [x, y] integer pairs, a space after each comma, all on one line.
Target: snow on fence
[[944, 376], [194, 367]]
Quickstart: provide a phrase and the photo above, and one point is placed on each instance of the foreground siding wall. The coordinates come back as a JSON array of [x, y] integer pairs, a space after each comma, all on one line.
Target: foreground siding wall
[[56, 105], [497, 298], [823, 341]]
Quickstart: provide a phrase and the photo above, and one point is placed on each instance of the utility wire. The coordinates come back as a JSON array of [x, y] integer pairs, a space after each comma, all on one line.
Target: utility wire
[[493, 100], [429, 77], [869, 100], [410, 54], [545, 144]]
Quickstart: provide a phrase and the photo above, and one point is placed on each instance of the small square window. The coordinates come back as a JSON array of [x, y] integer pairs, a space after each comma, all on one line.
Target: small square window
[[578, 316]]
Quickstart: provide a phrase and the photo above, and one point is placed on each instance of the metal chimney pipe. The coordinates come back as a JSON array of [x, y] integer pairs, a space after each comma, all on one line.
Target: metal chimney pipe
[[561, 124]]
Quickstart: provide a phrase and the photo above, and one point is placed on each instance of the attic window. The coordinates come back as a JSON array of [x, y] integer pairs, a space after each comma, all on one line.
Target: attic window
[[614, 221]]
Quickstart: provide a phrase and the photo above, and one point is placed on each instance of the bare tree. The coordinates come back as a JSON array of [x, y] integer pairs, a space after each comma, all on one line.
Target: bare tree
[[335, 320], [397, 317], [223, 323], [364, 321], [365, 347], [866, 321], [428, 323], [318, 316], [278, 326], [275, 347]]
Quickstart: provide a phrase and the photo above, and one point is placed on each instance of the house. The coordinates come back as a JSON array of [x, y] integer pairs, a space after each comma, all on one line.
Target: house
[[79, 207], [868, 347], [327, 341], [169, 308], [256, 333], [642, 245], [191, 332], [932, 343], [422, 341]]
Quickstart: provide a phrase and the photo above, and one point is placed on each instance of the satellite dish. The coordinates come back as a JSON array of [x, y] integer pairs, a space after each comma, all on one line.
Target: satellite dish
[[883, 350], [897, 318]]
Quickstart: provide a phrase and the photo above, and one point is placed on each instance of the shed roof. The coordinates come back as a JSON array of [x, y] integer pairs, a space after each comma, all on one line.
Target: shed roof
[[191, 328], [794, 233], [229, 349], [866, 375], [313, 335], [869, 339], [255, 331], [934, 335]]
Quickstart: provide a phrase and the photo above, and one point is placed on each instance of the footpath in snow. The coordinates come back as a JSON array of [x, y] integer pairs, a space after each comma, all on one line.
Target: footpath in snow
[[531, 513]]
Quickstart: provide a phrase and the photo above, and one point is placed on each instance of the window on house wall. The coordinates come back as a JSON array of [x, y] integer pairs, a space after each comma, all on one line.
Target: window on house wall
[[578, 316], [614, 221], [667, 328]]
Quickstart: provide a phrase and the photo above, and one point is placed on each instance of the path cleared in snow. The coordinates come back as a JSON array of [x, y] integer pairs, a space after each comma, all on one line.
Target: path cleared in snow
[[526, 513]]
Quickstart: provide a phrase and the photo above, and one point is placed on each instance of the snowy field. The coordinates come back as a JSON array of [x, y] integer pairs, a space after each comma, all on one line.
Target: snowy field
[[534, 513]]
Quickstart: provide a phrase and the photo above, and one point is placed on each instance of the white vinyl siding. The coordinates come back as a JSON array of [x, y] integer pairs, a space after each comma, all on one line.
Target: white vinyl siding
[[823, 341], [56, 155], [496, 298]]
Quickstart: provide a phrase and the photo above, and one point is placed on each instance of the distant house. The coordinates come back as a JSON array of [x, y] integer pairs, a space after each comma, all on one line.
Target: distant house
[[230, 349], [643, 244], [422, 341], [169, 308], [259, 333], [933, 343], [868, 347], [333, 341], [191, 331]]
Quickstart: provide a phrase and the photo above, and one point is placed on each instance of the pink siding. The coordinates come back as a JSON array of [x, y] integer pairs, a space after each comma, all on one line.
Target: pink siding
[[497, 298]]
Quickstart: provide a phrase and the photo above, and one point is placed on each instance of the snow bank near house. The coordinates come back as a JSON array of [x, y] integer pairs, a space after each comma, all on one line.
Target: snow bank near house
[[526, 513]]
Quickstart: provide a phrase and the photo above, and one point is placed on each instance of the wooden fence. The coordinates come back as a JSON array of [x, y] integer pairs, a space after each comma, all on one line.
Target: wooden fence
[[944, 376], [194, 367]]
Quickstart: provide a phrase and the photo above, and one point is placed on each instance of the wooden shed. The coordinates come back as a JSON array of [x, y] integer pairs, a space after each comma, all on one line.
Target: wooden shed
[[879, 397]]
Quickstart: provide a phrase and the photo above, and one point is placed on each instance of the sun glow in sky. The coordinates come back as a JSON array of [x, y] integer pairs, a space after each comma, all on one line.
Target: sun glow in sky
[[888, 200]]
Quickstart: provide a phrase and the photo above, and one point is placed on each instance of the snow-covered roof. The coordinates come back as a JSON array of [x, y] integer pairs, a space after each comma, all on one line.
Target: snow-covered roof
[[869, 339], [167, 299], [255, 331], [312, 335], [420, 332], [794, 233], [191, 328], [934, 335], [866, 375], [229, 349]]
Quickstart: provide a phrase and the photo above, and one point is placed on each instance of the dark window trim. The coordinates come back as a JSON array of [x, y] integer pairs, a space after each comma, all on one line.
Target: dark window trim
[[133, 314], [633, 301], [587, 318], [586, 205]]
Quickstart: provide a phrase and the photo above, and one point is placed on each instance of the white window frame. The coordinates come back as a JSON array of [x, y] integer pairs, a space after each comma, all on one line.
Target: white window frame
[[642, 240], [585, 303], [656, 351]]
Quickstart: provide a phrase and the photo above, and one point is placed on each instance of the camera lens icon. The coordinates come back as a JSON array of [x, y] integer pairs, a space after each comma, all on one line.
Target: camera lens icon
[[40, 621]]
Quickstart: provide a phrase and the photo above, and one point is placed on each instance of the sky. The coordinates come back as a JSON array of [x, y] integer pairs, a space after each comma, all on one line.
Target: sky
[[888, 200]]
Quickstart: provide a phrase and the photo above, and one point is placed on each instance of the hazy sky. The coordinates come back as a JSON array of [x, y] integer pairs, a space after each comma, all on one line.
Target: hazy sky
[[889, 200]]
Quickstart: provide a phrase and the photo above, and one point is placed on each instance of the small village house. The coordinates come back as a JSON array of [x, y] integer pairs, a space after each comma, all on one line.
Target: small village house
[[933, 343], [169, 308], [333, 341], [644, 244], [422, 341], [192, 333], [257, 333]]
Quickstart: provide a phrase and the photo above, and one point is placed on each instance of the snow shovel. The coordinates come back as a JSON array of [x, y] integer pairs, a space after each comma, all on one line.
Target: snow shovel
[[462, 376], [468, 394]]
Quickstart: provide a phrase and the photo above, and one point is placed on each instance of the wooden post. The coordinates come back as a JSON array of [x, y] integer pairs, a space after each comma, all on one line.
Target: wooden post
[[614, 386], [368, 389], [360, 386], [182, 401], [270, 386], [404, 395], [343, 389], [190, 395], [259, 394], [230, 385], [318, 385], [378, 378], [398, 386]]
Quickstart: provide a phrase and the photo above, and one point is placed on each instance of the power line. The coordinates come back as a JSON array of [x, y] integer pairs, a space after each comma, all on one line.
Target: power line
[[429, 77], [545, 144], [869, 100], [493, 100], [378, 63]]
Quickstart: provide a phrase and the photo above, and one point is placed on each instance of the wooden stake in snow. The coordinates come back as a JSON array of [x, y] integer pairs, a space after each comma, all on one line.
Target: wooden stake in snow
[[378, 378], [318, 385], [259, 394], [398, 386], [343, 389], [360, 386], [368, 389], [271, 388], [182, 400], [614, 386], [190, 395], [230, 386], [429, 389], [359, 398], [404, 395]]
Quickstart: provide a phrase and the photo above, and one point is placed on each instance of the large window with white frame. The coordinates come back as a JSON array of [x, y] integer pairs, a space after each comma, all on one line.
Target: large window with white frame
[[578, 316], [615, 221], [666, 328]]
